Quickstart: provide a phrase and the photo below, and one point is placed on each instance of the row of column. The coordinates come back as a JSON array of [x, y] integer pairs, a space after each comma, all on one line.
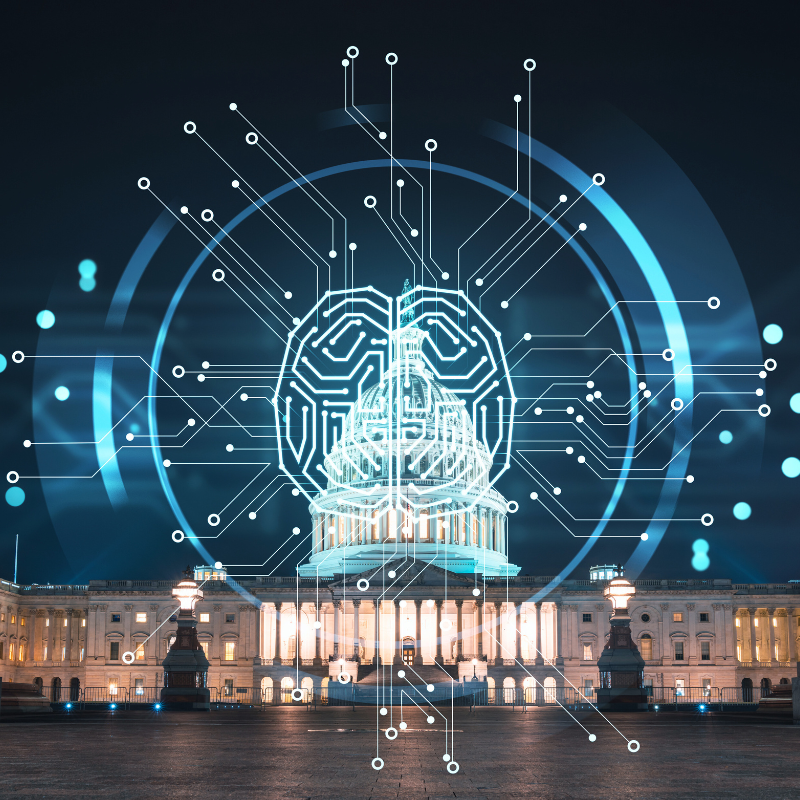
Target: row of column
[[483, 528], [761, 640]]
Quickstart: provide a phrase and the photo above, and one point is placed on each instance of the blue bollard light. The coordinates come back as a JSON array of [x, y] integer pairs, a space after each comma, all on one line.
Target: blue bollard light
[[158, 706], [113, 706]]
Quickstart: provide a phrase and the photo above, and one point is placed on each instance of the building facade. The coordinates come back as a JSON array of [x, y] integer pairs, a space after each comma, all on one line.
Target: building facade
[[300, 633]]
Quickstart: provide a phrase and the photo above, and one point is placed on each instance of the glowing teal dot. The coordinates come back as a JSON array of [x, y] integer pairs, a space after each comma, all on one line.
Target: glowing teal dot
[[45, 319], [773, 334], [135, 427], [15, 496], [700, 559], [742, 511], [62, 393], [3, 362], [791, 467], [87, 268], [726, 437], [87, 284], [794, 403]]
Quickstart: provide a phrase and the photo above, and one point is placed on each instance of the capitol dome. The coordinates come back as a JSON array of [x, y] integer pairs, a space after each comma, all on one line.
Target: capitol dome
[[406, 470]]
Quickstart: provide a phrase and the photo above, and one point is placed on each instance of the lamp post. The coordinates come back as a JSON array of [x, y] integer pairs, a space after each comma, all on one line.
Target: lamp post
[[186, 665], [620, 664]]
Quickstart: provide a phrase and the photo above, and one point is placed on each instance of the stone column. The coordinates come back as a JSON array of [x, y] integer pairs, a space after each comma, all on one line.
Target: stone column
[[771, 626], [439, 632], [730, 631], [559, 635], [336, 605], [791, 630], [317, 634], [418, 642], [276, 659], [216, 644], [498, 623], [666, 655], [398, 645], [479, 628], [517, 631], [254, 637], [539, 651], [753, 637], [91, 626], [376, 659], [459, 642], [356, 630], [783, 629], [298, 643], [692, 620]]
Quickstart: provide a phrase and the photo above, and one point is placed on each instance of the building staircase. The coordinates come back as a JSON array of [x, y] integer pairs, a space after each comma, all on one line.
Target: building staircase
[[420, 675]]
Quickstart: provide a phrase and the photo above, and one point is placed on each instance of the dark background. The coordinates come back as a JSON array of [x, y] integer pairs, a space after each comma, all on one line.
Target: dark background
[[94, 98]]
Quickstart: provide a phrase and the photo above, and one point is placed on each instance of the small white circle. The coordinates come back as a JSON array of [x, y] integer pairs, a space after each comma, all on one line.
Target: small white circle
[[430, 720], [295, 492], [362, 585], [178, 371], [317, 624], [370, 201], [556, 490], [26, 443], [184, 209], [590, 384], [190, 422], [345, 62], [243, 396], [353, 245], [377, 763], [128, 657], [707, 519], [251, 138], [529, 64], [446, 757], [579, 418], [343, 677], [218, 275], [642, 385], [526, 336], [537, 411], [770, 364], [217, 565], [229, 448], [589, 398], [762, 374], [402, 604], [384, 712], [391, 59], [592, 737], [129, 437], [570, 451], [12, 477], [476, 592], [534, 495], [713, 302], [391, 573], [512, 506], [382, 135], [582, 226], [479, 281], [581, 459], [213, 520], [646, 393], [297, 694], [167, 463], [201, 378], [190, 127], [391, 733], [690, 479], [206, 215], [517, 98], [232, 106], [332, 254], [178, 536], [430, 687], [252, 515], [401, 183], [143, 183], [454, 766], [759, 392], [562, 198], [235, 184], [429, 603], [633, 746], [288, 295], [295, 531], [644, 537], [430, 145], [352, 51], [445, 275], [570, 410], [401, 673], [764, 410], [403, 726], [415, 233], [676, 403], [668, 354], [598, 394], [598, 179], [504, 304]]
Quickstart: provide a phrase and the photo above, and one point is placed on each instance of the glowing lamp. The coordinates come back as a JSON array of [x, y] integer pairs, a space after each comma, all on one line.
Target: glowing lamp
[[619, 591], [188, 594]]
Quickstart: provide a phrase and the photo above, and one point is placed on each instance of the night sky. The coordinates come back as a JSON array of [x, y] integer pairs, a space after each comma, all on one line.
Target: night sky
[[95, 99]]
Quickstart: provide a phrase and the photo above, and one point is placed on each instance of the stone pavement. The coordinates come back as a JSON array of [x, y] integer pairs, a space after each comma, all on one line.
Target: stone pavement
[[289, 752]]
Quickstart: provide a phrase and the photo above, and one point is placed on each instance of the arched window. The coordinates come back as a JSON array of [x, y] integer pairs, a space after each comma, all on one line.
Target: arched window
[[75, 689], [307, 685], [646, 646], [747, 690], [550, 690], [287, 684], [766, 686], [55, 687]]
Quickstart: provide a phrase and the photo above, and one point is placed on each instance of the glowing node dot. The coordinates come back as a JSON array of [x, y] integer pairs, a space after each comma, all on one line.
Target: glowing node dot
[[402, 604], [582, 226], [589, 398], [527, 337], [295, 531], [382, 135], [252, 515], [592, 737], [773, 334], [556, 490], [201, 378], [191, 423], [430, 720], [205, 365], [534, 495], [243, 396], [345, 62], [391, 573], [590, 384], [446, 757], [762, 374], [476, 592], [759, 392], [45, 319], [62, 393], [517, 98], [579, 418], [647, 393], [403, 726], [26, 443], [415, 233], [296, 321], [742, 511], [353, 245], [295, 492], [401, 183], [401, 673], [644, 537], [504, 304], [384, 712], [430, 687], [288, 295], [690, 479], [184, 209], [217, 565], [791, 467], [167, 463], [129, 437], [700, 559], [235, 184], [726, 437], [15, 496], [563, 198], [642, 385], [232, 106], [229, 448], [429, 603], [537, 411], [317, 624], [479, 281], [581, 459], [445, 275], [570, 410], [570, 451]]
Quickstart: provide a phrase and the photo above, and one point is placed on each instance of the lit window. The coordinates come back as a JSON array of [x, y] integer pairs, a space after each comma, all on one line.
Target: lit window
[[2, 617], [774, 622], [230, 618], [13, 619], [679, 651], [758, 653], [114, 654], [141, 616], [677, 616], [587, 617], [707, 687], [646, 647], [587, 652], [11, 651], [738, 622], [45, 651], [205, 617], [588, 687], [21, 652], [139, 685], [230, 651], [65, 622], [140, 652], [83, 623], [63, 653], [81, 654], [679, 687], [227, 688], [204, 645], [47, 622], [112, 688], [21, 621], [705, 651], [738, 652], [703, 616], [776, 653], [755, 622]]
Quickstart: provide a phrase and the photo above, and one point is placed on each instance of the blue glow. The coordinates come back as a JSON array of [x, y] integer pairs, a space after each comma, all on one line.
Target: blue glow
[[135, 427], [69, 705], [773, 334], [62, 393], [15, 496], [702, 708], [87, 268], [113, 705], [4, 364], [656, 708], [791, 467], [700, 559], [726, 437], [742, 511], [45, 319], [87, 284], [158, 706], [794, 403]]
